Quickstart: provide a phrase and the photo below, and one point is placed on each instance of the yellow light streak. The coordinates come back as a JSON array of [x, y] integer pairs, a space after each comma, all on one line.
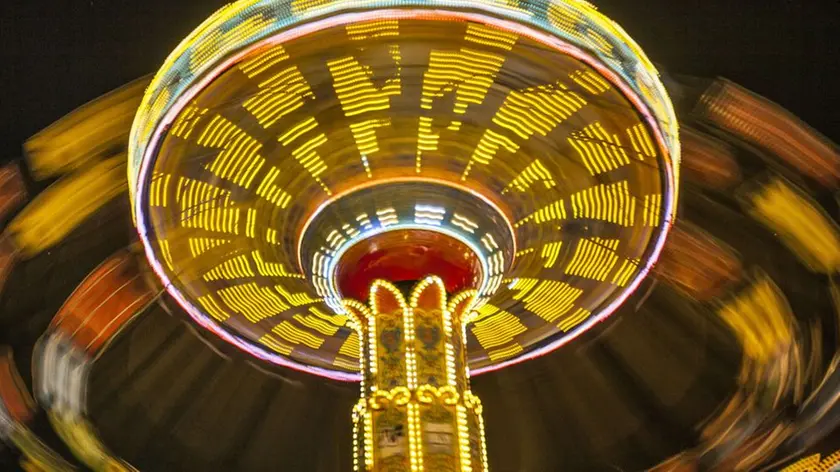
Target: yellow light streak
[[240, 159], [279, 95], [599, 150], [253, 302]]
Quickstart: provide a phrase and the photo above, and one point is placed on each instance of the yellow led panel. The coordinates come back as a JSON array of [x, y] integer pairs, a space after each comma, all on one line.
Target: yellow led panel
[[279, 95], [231, 269], [291, 333], [373, 29], [489, 36], [271, 192], [468, 73], [577, 317], [537, 109], [599, 150], [494, 327], [552, 212], [240, 159], [590, 81], [505, 352], [594, 258], [254, 302], [186, 121], [265, 61], [207, 207], [276, 345], [606, 202], [355, 89], [350, 347], [159, 189], [535, 172], [212, 307], [652, 210], [550, 252], [641, 142], [625, 271], [199, 246], [548, 299]]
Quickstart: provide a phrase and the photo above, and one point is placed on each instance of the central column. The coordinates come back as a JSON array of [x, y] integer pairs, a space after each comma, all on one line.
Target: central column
[[416, 412]]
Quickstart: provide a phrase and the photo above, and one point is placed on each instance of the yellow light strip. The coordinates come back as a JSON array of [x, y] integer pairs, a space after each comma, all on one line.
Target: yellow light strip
[[212, 307], [207, 207], [199, 246], [279, 95], [240, 159], [275, 345], [297, 299], [504, 353], [231, 269], [642, 143], [606, 202], [538, 109], [653, 210], [468, 72], [590, 81], [166, 253], [355, 89], [600, 151], [271, 192], [551, 212], [594, 258], [184, 125], [253, 302], [574, 319], [295, 335], [550, 252], [351, 346], [264, 61], [497, 328], [297, 131], [627, 269], [548, 299], [489, 36], [373, 29], [535, 172]]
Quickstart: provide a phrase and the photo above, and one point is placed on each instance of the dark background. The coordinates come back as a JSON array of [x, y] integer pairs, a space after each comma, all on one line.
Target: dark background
[[58, 54]]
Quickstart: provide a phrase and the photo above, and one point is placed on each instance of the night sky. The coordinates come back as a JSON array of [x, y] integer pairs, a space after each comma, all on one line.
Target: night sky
[[58, 54]]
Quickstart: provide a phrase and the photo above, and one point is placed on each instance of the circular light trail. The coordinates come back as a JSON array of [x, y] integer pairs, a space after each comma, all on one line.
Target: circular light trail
[[259, 157]]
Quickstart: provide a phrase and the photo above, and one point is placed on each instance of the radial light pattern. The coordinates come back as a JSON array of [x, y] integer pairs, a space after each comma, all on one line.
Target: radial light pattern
[[544, 142]]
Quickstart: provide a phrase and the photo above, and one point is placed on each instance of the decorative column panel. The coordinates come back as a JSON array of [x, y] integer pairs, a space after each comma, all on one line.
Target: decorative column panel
[[417, 411]]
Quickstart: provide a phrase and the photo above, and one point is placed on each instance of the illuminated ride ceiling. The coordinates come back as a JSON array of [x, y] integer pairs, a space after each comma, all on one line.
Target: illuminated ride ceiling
[[269, 146]]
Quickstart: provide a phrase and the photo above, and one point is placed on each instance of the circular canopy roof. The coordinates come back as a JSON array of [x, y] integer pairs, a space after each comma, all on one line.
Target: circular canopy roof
[[270, 145]]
